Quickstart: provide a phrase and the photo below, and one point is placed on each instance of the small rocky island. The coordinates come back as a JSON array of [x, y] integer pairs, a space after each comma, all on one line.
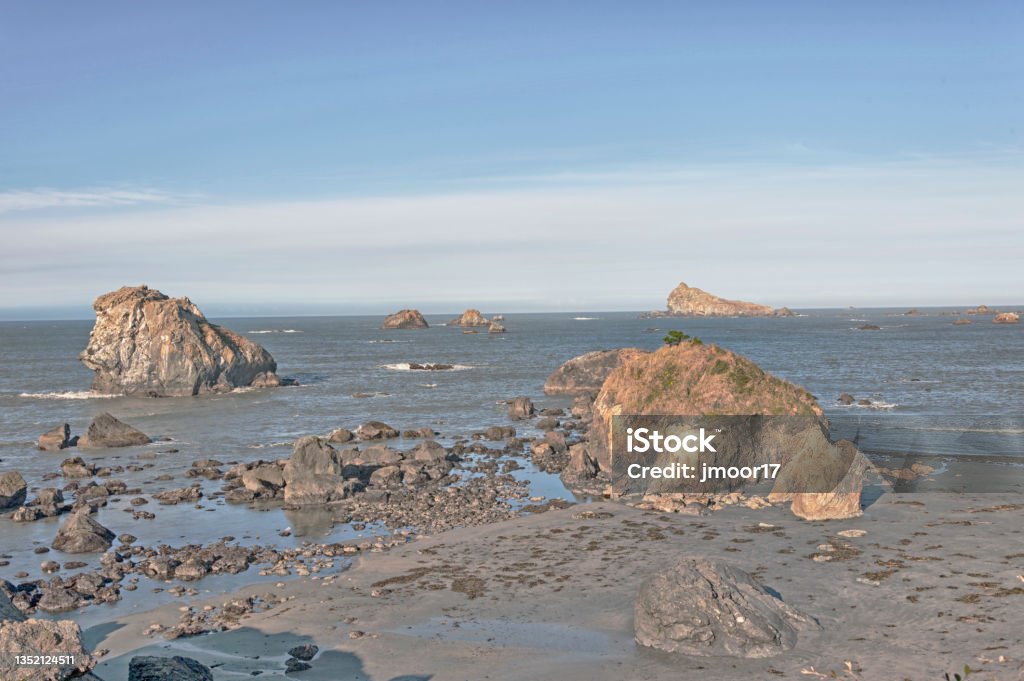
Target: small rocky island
[[470, 317], [689, 301], [406, 319], [146, 343]]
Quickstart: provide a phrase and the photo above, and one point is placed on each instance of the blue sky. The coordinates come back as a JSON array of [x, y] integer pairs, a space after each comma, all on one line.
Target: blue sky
[[351, 157]]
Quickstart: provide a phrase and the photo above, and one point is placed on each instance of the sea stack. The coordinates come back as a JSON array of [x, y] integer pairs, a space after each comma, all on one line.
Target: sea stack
[[470, 317], [146, 343], [405, 319], [688, 301]]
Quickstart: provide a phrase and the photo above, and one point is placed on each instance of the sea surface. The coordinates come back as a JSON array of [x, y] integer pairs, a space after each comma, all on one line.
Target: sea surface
[[936, 389]]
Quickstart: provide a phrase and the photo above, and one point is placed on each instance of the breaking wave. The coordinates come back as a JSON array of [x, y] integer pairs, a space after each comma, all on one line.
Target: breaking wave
[[69, 395], [426, 366]]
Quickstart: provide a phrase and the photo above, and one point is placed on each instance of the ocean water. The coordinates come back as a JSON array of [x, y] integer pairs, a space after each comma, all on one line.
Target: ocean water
[[937, 389]]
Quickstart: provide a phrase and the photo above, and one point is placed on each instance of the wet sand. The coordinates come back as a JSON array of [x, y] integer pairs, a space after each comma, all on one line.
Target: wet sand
[[935, 583]]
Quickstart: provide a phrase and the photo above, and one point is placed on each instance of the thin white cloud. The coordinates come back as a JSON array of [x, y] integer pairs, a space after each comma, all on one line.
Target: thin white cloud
[[915, 232], [97, 197]]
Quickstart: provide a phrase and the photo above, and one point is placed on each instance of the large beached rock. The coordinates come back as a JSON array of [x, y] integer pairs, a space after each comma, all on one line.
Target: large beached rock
[[36, 636], [588, 372], [707, 608], [56, 439], [376, 430], [145, 343], [107, 431], [405, 319], [470, 317], [177, 668], [688, 301], [520, 408], [12, 490], [81, 533]]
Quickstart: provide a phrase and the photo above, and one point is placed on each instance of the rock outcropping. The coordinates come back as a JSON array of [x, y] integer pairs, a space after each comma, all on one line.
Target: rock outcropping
[[707, 608], [405, 319], [687, 301], [1006, 318], [693, 379], [81, 533], [145, 343], [470, 317], [587, 373]]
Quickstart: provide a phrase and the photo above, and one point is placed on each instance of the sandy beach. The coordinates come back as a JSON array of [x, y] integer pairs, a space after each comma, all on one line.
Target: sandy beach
[[921, 585]]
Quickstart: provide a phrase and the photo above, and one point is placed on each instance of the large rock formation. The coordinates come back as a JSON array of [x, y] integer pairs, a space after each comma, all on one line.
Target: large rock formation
[[12, 490], [107, 431], [470, 317], [405, 319], [587, 373], [145, 343], [687, 301], [707, 608], [697, 380]]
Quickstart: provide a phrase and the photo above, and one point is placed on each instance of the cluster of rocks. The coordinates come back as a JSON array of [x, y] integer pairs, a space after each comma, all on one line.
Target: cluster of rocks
[[145, 343], [846, 399], [472, 318], [103, 431]]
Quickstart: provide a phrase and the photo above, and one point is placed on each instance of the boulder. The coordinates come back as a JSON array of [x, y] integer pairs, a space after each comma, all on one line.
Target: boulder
[[688, 301], [177, 668], [470, 317], [387, 477], [405, 319], [265, 480], [340, 435], [869, 327], [841, 473], [429, 452], [375, 430], [107, 431], [581, 465], [313, 474], [1006, 318], [13, 490], [56, 439], [499, 432], [81, 533], [495, 327], [304, 652], [706, 608], [588, 372], [376, 455], [145, 343], [520, 408], [9, 611], [76, 467], [35, 636], [961, 322], [847, 399]]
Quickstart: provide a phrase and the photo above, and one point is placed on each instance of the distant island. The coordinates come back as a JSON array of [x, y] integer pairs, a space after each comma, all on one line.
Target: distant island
[[689, 301]]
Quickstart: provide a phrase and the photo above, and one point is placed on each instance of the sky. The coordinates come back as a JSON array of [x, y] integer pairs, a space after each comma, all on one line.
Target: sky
[[357, 157]]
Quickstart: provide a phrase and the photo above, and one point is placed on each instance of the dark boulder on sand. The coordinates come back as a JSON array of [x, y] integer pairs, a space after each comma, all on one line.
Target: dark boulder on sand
[[707, 608], [177, 668], [146, 343], [107, 431]]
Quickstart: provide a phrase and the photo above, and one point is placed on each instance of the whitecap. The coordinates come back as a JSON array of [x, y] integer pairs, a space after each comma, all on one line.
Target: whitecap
[[585, 319], [407, 367], [69, 395], [276, 331]]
